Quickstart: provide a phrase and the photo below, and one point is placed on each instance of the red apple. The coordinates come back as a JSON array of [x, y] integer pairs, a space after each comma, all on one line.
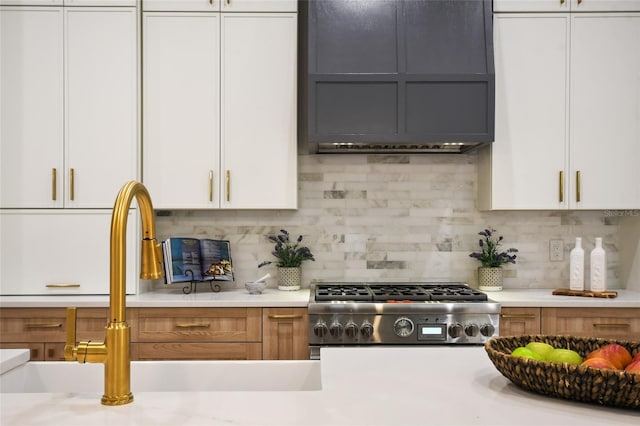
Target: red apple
[[633, 367], [618, 355], [598, 363], [636, 357]]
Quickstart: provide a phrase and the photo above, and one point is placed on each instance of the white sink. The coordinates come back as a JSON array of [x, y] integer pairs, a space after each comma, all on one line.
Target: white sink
[[166, 376]]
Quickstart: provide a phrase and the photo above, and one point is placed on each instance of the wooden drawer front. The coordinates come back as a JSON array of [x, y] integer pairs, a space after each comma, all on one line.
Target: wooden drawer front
[[616, 323], [519, 321], [37, 349], [48, 325], [195, 351], [197, 325]]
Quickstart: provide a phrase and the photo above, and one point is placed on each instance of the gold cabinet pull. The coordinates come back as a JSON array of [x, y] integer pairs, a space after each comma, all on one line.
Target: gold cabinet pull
[[54, 184], [283, 316], [72, 184], [228, 182], [228, 1], [578, 186], [44, 325], [62, 285], [193, 325], [561, 187], [561, 1], [619, 325], [211, 185], [579, 1], [521, 316]]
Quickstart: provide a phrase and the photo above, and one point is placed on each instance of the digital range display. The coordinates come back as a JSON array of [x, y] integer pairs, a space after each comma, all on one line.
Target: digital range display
[[432, 332]]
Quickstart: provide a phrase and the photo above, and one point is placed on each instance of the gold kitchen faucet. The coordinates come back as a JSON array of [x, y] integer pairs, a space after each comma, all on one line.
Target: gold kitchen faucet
[[114, 351]]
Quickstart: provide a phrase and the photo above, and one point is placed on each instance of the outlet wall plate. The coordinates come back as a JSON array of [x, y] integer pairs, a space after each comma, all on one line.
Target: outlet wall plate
[[556, 250]]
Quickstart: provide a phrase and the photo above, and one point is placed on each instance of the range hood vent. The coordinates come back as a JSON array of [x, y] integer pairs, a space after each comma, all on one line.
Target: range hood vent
[[397, 76], [396, 148]]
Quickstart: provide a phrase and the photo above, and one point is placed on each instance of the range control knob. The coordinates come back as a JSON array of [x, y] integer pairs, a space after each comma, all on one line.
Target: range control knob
[[351, 329], [366, 329], [320, 329], [471, 329], [403, 327], [336, 329], [487, 330], [455, 330]]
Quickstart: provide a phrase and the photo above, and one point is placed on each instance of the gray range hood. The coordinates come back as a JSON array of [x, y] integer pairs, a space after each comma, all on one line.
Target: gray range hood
[[397, 76]]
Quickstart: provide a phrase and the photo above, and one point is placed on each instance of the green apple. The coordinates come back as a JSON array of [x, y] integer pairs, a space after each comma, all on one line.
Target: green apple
[[523, 352], [541, 348], [564, 355]]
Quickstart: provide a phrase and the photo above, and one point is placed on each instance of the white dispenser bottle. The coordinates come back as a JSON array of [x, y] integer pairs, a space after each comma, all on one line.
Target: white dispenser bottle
[[598, 267], [576, 267]]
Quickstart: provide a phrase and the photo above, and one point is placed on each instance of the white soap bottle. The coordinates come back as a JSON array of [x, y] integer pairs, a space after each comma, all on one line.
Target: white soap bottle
[[598, 267], [576, 267]]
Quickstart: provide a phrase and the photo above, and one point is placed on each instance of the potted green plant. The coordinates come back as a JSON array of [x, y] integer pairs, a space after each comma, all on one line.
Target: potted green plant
[[290, 256], [492, 258]]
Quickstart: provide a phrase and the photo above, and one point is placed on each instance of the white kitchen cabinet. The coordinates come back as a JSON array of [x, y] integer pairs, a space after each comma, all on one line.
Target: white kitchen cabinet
[[566, 5], [220, 5], [567, 113], [61, 251], [219, 117], [69, 104]]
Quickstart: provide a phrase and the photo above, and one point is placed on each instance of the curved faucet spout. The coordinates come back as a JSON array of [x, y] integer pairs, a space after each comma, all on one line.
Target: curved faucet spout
[[151, 256], [114, 352]]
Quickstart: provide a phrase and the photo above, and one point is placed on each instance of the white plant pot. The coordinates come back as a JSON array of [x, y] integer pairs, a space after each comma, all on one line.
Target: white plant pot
[[490, 279], [289, 278]]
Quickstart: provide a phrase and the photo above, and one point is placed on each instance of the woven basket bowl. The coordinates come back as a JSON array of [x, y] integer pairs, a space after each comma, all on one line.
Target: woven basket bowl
[[614, 388]]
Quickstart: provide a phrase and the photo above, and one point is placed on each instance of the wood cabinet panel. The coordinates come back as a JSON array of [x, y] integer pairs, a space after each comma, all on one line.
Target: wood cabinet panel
[[49, 324], [196, 324], [285, 333], [614, 323], [517, 321], [195, 351]]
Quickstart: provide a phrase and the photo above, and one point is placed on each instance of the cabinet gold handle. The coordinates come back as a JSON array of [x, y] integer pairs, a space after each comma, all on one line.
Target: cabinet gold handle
[[44, 325], [285, 316], [211, 185], [193, 325], [561, 1], [523, 316], [611, 325], [578, 186], [579, 1], [228, 1], [62, 285], [54, 184], [228, 182], [72, 184], [561, 186]]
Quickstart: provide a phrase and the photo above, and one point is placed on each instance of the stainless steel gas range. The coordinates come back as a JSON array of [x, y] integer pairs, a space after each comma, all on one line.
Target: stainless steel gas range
[[347, 314]]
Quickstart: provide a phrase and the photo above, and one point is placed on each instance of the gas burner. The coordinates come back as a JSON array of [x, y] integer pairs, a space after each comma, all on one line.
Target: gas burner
[[343, 292], [383, 293], [454, 292]]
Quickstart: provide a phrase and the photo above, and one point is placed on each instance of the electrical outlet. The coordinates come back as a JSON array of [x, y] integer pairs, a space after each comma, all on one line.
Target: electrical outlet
[[556, 250]]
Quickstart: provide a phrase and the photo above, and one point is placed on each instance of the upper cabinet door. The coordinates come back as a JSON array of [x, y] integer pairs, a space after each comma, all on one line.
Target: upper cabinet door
[[605, 111], [259, 5], [258, 107], [31, 107], [526, 164], [101, 88], [566, 5], [182, 5], [181, 114]]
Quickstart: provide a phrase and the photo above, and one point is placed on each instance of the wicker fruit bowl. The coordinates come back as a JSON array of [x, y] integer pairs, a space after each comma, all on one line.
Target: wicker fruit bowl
[[616, 388]]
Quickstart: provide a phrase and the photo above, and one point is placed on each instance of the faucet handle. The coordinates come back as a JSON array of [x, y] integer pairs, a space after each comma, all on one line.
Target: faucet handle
[[70, 345]]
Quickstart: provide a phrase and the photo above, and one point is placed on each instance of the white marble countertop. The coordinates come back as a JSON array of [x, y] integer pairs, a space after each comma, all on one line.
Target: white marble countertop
[[544, 299], [360, 386], [236, 297], [239, 297]]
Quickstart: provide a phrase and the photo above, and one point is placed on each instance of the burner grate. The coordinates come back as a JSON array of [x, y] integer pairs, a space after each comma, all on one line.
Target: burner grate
[[343, 292], [384, 293]]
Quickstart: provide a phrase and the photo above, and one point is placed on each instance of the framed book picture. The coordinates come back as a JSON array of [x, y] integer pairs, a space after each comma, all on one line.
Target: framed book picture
[[194, 259]]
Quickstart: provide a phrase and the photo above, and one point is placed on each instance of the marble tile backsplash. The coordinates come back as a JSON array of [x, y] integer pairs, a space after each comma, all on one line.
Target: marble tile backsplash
[[399, 217]]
